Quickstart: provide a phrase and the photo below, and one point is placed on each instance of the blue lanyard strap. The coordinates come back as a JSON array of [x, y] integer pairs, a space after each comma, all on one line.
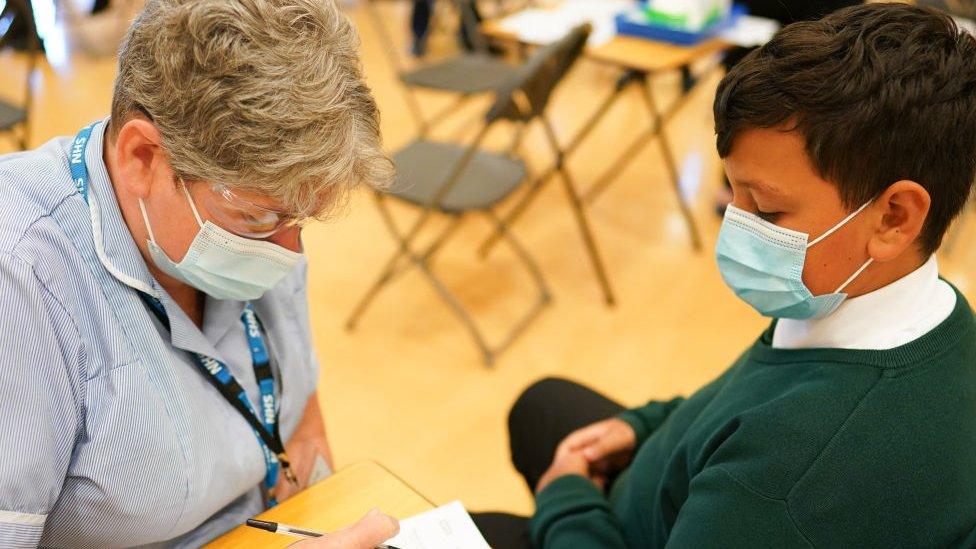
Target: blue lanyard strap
[[268, 409], [265, 420], [76, 160]]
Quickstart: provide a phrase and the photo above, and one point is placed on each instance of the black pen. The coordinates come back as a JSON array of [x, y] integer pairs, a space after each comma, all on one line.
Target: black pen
[[279, 528]]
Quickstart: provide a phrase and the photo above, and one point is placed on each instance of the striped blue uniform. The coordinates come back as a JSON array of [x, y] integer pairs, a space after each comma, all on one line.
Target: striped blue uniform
[[111, 437]]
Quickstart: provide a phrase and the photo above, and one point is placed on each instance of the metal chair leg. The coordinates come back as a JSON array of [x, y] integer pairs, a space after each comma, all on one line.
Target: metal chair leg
[[392, 269], [445, 112], [516, 212], [522, 253], [584, 225], [459, 310], [545, 297], [422, 261], [413, 104], [619, 165], [384, 278], [655, 129], [628, 78], [24, 140], [389, 270], [488, 352], [432, 248]]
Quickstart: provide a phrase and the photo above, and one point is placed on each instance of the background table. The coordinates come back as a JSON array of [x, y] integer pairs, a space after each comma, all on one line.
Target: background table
[[627, 52], [331, 504]]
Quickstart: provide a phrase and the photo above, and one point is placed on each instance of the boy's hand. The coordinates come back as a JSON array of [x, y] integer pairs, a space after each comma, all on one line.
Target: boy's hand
[[568, 463], [607, 445], [595, 452], [370, 531]]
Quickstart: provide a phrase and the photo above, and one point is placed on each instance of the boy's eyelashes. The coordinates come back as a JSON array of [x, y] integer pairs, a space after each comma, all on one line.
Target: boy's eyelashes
[[768, 216]]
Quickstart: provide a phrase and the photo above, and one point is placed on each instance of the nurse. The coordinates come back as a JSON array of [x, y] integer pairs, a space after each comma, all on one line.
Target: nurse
[[157, 378]]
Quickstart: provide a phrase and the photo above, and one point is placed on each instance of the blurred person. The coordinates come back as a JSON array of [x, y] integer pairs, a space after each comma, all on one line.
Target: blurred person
[[17, 26], [850, 143], [158, 375], [423, 12]]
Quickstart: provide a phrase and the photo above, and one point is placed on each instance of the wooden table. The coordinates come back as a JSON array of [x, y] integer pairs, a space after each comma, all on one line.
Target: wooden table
[[627, 52], [639, 60], [333, 503]]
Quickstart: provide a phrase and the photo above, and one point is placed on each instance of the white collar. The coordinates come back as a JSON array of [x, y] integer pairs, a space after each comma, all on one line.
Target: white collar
[[886, 318], [114, 246]]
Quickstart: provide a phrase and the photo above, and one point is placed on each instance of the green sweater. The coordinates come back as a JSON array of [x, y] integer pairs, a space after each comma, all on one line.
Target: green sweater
[[796, 448]]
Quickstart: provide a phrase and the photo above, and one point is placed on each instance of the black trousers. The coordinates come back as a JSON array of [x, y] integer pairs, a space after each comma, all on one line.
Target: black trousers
[[540, 419]]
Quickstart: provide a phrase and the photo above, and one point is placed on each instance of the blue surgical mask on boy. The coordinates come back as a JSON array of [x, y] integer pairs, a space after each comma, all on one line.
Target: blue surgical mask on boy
[[763, 264]]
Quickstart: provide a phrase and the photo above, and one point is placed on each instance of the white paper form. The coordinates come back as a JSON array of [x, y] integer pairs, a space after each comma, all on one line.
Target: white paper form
[[544, 26], [447, 527]]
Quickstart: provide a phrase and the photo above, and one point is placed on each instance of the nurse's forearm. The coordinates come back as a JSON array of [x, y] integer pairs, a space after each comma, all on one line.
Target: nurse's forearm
[[311, 430], [305, 445]]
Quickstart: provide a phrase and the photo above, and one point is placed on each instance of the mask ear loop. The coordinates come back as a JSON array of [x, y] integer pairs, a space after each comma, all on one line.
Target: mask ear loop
[[193, 206], [843, 222], [834, 229], [145, 219], [855, 275]]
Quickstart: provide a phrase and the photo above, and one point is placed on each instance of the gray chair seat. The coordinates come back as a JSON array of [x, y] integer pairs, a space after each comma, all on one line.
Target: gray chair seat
[[466, 74], [10, 115], [423, 167]]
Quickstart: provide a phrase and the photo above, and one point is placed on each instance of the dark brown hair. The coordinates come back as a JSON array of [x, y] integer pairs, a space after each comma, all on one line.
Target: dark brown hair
[[880, 92]]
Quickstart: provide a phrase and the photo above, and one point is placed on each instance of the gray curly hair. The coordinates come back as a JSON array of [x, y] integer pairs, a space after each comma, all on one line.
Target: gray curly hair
[[265, 96]]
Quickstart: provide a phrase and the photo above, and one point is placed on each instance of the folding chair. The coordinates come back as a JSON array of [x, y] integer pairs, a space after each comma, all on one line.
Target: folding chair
[[15, 118], [466, 75], [453, 180], [655, 131]]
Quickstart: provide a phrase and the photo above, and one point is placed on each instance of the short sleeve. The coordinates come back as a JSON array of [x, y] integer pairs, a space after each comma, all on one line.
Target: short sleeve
[[301, 309], [40, 357]]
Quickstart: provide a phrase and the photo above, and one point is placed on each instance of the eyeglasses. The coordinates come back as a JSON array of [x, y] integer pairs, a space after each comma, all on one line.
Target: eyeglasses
[[245, 218]]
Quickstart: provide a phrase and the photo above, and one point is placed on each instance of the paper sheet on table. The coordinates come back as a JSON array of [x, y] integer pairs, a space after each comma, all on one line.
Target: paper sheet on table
[[544, 26], [750, 31], [447, 527]]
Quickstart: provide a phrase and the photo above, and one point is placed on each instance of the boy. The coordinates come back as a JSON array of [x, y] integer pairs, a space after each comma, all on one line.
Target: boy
[[850, 143]]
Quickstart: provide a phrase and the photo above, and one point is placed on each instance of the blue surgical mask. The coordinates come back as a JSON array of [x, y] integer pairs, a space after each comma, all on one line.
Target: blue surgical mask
[[763, 264], [222, 264]]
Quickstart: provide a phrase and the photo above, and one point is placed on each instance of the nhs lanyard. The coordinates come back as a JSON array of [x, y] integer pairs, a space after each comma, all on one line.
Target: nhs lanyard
[[264, 422]]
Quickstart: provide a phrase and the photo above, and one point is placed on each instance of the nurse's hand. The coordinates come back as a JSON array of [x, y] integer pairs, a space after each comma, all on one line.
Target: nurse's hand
[[607, 445], [370, 531]]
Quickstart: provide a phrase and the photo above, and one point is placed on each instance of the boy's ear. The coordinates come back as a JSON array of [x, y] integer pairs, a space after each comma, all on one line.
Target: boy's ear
[[904, 206]]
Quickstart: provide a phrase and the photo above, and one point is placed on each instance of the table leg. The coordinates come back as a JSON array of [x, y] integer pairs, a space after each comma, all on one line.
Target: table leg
[[655, 130], [668, 154], [623, 82]]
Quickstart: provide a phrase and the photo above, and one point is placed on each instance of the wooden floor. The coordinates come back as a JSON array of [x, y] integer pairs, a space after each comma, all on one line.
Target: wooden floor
[[408, 388]]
